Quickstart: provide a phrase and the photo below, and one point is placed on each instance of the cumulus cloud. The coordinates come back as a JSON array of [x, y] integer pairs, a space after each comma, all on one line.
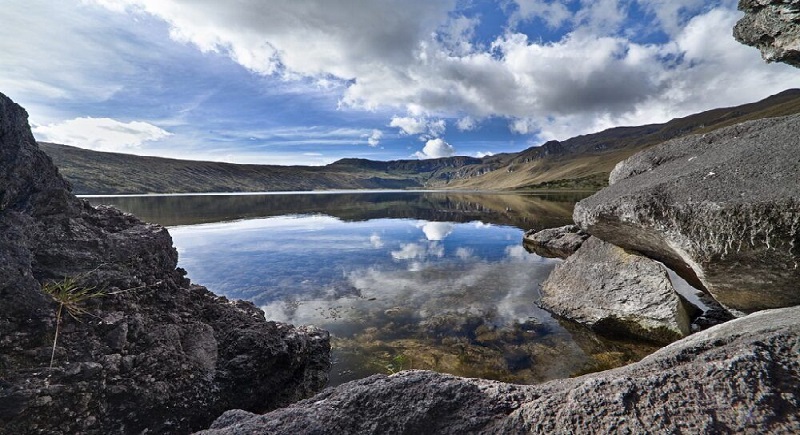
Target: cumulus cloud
[[418, 251], [466, 123], [420, 56], [375, 138], [376, 241], [436, 149], [437, 231], [104, 134], [553, 12], [427, 128]]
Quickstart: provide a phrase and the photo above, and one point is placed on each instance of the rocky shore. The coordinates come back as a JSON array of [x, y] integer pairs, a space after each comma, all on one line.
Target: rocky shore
[[721, 210], [139, 348], [101, 333]]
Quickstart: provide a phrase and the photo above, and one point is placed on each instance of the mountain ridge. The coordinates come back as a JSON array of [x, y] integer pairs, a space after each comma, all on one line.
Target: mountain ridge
[[578, 163]]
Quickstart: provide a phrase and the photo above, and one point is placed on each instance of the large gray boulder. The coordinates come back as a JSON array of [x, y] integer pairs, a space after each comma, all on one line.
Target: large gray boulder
[[721, 209], [772, 26], [558, 242], [150, 352], [616, 292], [739, 377]]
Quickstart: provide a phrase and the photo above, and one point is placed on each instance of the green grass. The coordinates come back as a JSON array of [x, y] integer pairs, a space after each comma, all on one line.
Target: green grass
[[70, 296]]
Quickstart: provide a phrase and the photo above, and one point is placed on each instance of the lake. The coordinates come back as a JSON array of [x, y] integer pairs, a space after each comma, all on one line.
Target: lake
[[424, 280]]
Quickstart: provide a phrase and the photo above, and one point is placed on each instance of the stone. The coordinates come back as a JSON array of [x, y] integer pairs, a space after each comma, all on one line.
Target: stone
[[720, 209], [555, 242], [738, 377], [772, 26], [615, 292], [152, 353]]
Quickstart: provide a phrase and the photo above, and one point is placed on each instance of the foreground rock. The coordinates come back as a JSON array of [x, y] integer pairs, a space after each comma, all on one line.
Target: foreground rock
[[772, 26], [740, 377], [615, 292], [148, 352], [555, 242], [721, 209]]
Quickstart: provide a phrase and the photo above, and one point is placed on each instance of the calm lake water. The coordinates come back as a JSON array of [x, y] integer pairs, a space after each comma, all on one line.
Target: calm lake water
[[402, 280]]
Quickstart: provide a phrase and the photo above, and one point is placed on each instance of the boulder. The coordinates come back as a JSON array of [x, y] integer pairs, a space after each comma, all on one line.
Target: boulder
[[772, 26], [555, 242], [615, 292], [721, 209], [145, 351], [739, 377]]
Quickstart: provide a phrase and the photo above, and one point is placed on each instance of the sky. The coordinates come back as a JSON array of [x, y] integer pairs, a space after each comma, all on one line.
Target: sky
[[312, 81]]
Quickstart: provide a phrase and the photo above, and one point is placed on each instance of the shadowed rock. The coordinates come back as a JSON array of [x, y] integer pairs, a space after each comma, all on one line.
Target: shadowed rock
[[739, 377], [772, 26], [149, 352], [615, 292], [555, 242], [721, 209]]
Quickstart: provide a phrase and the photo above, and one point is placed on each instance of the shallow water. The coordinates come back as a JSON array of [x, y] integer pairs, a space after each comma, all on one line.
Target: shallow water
[[401, 280]]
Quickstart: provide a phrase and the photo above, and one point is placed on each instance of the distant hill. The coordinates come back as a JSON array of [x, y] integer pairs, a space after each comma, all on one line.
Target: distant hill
[[579, 163]]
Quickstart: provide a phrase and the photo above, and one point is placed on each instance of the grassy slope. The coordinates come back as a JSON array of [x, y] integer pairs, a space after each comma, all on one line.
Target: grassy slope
[[582, 163], [589, 159], [106, 173]]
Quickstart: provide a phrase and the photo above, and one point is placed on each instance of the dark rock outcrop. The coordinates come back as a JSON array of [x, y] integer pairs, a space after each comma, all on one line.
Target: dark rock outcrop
[[615, 292], [558, 242], [148, 351], [772, 26], [721, 209], [740, 377]]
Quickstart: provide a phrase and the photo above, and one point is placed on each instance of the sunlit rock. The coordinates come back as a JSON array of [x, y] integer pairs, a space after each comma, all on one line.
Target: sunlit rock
[[615, 292], [721, 209], [739, 377], [772, 26]]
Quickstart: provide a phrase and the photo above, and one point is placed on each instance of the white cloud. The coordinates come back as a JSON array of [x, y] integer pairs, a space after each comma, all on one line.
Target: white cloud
[[465, 254], [375, 138], [435, 149], [554, 12], [418, 251], [376, 241], [428, 128], [104, 134], [436, 231], [482, 154], [672, 14], [409, 125], [420, 58], [466, 123]]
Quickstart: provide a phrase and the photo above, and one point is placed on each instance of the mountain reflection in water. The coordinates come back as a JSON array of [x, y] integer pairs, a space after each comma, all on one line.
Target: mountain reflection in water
[[401, 280]]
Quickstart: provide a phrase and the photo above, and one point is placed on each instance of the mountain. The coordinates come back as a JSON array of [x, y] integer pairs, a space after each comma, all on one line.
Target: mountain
[[579, 163]]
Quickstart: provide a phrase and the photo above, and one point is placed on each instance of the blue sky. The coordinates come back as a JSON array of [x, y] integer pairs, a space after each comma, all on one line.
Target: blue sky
[[312, 81]]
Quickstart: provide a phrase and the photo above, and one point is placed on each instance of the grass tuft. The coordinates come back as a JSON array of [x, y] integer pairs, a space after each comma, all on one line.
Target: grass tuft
[[70, 296]]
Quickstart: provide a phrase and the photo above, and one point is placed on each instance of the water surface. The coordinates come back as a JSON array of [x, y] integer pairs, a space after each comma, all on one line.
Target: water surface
[[401, 280]]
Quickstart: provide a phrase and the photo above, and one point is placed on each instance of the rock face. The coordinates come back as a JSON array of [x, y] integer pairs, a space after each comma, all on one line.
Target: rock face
[[149, 351], [721, 209], [739, 377], [772, 26], [615, 292], [555, 242]]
